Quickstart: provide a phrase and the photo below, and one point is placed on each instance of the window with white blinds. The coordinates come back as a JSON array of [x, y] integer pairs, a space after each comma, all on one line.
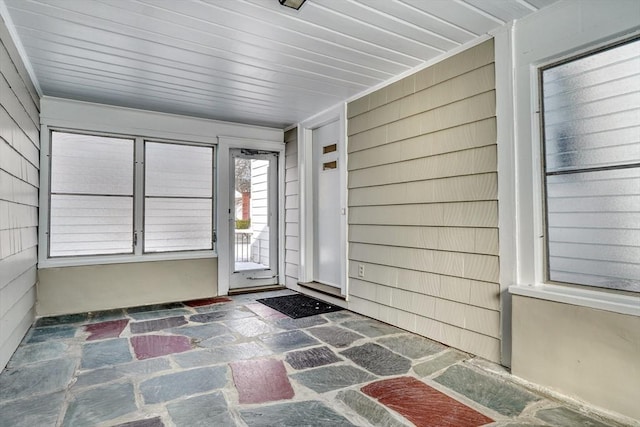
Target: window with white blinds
[[96, 207], [591, 128]]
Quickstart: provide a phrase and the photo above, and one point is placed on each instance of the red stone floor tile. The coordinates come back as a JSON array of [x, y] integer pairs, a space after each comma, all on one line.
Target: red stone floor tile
[[110, 329], [265, 312], [261, 381], [148, 346], [206, 301], [424, 405]]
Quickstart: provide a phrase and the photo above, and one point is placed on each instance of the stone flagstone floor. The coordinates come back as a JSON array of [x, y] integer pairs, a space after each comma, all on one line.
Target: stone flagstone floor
[[235, 362]]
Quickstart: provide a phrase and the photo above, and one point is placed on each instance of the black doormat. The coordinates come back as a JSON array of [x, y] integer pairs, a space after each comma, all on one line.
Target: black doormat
[[297, 306]]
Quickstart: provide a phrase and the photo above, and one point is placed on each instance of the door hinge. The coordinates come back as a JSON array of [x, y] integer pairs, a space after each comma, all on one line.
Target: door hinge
[[214, 237]]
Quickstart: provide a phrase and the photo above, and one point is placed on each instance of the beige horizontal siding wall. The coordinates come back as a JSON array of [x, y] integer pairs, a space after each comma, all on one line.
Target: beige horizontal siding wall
[[423, 209], [292, 207], [19, 165]]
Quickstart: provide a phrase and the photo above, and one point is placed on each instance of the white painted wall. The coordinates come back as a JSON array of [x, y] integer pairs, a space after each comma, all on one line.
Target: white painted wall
[[292, 208], [19, 164], [576, 341]]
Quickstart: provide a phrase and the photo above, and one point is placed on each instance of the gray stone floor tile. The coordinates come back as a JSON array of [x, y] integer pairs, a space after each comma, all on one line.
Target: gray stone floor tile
[[290, 340], [371, 328], [112, 373], [377, 359], [565, 417], [45, 377], [330, 378], [311, 358], [368, 409], [412, 346], [51, 333], [219, 316], [302, 323], [338, 316], [202, 411], [65, 319], [40, 411], [202, 332], [156, 324], [217, 341], [251, 327], [218, 355], [146, 422], [106, 315], [33, 353], [100, 404], [159, 314], [155, 307], [438, 363], [105, 353], [298, 414], [172, 386], [335, 335], [494, 393]]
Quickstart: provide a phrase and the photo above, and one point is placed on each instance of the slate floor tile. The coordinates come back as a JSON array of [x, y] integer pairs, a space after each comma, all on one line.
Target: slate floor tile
[[286, 341], [265, 312], [250, 327], [424, 405], [207, 301], [146, 422], [108, 329], [202, 411], [105, 353], [438, 363], [112, 373], [159, 314], [242, 351], [335, 335], [41, 411], [154, 307], [100, 404], [309, 413], [171, 386], [371, 328], [373, 412], [565, 417], [45, 377], [330, 378], [106, 315], [157, 325], [64, 319], [148, 346], [218, 316], [217, 341], [412, 346], [259, 381], [311, 358], [302, 323], [494, 393], [202, 332], [51, 333], [33, 353], [338, 316], [378, 359]]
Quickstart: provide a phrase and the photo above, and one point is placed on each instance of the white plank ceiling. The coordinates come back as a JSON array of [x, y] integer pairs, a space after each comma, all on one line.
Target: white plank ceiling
[[247, 61]]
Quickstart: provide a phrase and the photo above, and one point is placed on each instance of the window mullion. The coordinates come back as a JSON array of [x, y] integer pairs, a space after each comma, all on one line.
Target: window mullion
[[138, 198]]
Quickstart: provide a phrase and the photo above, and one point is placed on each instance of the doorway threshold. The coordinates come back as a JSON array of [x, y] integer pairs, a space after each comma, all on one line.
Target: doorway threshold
[[256, 289], [324, 289]]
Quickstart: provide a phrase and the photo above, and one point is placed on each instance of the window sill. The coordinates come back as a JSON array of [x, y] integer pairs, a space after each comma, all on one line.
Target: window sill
[[622, 304], [124, 259]]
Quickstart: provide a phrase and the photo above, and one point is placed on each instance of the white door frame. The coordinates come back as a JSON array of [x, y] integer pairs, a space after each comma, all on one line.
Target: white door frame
[[305, 171], [223, 230]]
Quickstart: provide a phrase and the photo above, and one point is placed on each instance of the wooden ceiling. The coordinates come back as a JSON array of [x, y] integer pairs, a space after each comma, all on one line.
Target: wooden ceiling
[[248, 61]]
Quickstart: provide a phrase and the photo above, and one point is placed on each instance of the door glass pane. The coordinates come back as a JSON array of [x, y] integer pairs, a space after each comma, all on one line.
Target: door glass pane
[[251, 245]]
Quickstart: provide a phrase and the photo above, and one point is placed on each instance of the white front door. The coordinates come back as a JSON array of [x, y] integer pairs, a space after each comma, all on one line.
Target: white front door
[[253, 217], [327, 216]]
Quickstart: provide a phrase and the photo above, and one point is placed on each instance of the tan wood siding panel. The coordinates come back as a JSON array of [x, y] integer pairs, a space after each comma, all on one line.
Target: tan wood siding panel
[[423, 209], [19, 181]]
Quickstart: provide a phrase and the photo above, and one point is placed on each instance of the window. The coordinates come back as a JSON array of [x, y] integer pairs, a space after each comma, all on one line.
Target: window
[[106, 200], [591, 133]]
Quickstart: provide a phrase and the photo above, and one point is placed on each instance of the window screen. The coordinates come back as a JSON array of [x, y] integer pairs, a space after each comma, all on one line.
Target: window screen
[[91, 206], [178, 210], [591, 124]]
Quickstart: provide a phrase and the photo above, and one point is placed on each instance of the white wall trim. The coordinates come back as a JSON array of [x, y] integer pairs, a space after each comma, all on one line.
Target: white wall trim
[[6, 17], [616, 303], [223, 229], [305, 177]]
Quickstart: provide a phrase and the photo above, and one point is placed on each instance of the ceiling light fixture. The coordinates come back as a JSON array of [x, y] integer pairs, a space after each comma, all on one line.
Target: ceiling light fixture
[[294, 4]]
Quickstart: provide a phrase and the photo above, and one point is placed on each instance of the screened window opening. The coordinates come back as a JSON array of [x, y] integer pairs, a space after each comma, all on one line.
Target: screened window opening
[[178, 213], [591, 128], [91, 205]]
